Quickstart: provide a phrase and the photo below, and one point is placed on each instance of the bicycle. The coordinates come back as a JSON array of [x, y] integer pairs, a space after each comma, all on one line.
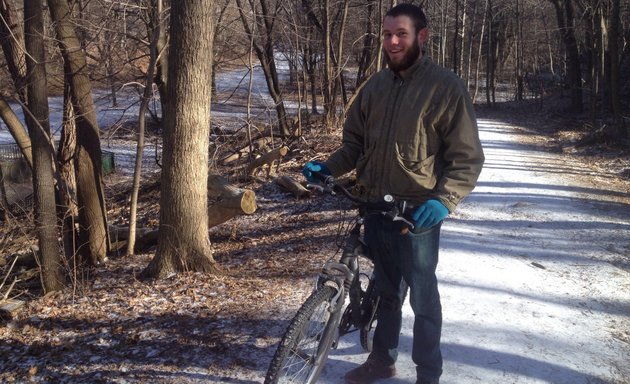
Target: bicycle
[[322, 319]]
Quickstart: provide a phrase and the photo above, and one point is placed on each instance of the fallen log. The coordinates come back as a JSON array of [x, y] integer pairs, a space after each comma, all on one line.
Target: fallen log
[[267, 159], [291, 185], [145, 238], [118, 233], [8, 309], [228, 201], [243, 152]]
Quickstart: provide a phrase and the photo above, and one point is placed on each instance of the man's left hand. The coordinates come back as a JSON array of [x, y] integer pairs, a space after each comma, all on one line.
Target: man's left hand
[[429, 214]]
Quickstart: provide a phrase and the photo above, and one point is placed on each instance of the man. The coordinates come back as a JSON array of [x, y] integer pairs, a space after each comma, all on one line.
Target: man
[[411, 133]]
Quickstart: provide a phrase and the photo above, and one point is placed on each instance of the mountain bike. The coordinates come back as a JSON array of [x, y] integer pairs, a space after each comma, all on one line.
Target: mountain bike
[[344, 300]]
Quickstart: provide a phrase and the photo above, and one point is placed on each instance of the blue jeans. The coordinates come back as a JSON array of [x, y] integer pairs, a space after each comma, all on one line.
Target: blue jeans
[[401, 261]]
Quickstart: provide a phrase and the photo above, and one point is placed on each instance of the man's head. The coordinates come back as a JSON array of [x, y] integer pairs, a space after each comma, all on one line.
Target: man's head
[[404, 35]]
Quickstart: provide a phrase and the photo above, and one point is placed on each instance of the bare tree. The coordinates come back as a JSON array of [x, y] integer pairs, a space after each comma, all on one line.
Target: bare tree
[[154, 35], [39, 131], [93, 236], [265, 17], [12, 42], [183, 235]]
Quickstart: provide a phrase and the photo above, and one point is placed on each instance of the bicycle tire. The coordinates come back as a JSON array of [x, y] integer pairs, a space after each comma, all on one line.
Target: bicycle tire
[[368, 309], [305, 345]]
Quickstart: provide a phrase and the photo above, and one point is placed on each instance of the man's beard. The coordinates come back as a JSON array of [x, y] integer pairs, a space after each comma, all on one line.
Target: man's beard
[[407, 61]]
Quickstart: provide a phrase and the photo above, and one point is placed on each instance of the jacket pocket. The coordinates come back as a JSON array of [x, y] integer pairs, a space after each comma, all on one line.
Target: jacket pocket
[[416, 175]]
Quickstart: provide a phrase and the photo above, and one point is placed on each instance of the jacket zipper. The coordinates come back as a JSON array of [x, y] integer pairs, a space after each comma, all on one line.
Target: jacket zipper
[[389, 154]]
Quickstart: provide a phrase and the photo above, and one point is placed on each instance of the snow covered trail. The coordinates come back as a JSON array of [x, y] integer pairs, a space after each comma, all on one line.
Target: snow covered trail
[[534, 276]]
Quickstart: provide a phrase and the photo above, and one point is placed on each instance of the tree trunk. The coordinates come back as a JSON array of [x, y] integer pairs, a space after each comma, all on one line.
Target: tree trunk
[[613, 46], [326, 37], [161, 71], [462, 50], [183, 240], [12, 42], [93, 239], [13, 123], [490, 56], [481, 35], [471, 44], [566, 24], [265, 20], [456, 56], [365, 60], [68, 208], [39, 131], [154, 35], [519, 53]]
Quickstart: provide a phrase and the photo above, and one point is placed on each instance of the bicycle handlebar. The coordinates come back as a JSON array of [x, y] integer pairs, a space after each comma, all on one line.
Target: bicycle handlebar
[[392, 211]]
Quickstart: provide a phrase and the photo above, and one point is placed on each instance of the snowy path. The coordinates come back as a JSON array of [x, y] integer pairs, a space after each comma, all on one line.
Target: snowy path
[[534, 277]]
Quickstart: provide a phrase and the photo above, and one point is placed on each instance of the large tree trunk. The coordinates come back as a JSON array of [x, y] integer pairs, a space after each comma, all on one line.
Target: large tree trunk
[[183, 240], [39, 131], [93, 239]]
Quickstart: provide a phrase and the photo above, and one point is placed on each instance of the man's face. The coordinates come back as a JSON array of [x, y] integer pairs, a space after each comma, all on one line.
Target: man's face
[[401, 44]]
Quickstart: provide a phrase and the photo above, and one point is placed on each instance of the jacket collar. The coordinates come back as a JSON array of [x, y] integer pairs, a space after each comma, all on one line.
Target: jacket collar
[[415, 70]]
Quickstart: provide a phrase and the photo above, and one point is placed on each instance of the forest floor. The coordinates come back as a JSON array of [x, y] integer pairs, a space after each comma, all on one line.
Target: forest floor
[[534, 272]]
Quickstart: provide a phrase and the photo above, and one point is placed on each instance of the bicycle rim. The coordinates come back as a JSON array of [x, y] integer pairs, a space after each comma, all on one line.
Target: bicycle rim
[[306, 343]]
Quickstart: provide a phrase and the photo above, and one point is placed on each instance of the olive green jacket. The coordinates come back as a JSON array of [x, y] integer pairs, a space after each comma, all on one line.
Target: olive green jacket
[[414, 138]]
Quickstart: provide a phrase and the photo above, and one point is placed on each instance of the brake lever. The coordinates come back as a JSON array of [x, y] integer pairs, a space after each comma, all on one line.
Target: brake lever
[[400, 218], [394, 215]]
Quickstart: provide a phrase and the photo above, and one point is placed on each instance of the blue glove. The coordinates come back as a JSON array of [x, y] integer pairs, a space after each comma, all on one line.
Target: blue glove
[[314, 166], [429, 214]]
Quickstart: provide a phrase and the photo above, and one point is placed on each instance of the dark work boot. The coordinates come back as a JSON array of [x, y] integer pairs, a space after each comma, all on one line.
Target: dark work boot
[[370, 371]]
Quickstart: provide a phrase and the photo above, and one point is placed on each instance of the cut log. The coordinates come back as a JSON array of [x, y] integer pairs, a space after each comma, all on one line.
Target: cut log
[[267, 159], [8, 309], [291, 185], [241, 153], [228, 201]]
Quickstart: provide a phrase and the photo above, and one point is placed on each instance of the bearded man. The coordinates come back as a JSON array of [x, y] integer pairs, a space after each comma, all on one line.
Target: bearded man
[[411, 133]]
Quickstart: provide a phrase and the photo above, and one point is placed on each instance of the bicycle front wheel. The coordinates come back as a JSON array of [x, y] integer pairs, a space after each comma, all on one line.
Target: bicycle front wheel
[[305, 345]]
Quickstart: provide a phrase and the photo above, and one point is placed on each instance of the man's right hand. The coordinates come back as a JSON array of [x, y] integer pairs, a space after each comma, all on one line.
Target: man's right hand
[[314, 166]]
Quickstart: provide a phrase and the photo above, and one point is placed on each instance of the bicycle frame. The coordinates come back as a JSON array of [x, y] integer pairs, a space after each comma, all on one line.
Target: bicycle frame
[[337, 281]]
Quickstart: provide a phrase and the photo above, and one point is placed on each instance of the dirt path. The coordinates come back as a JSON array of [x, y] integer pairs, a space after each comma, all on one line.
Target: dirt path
[[534, 276]]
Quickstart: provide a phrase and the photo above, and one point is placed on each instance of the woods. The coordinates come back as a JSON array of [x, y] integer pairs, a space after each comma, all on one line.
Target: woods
[[154, 221], [314, 55]]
